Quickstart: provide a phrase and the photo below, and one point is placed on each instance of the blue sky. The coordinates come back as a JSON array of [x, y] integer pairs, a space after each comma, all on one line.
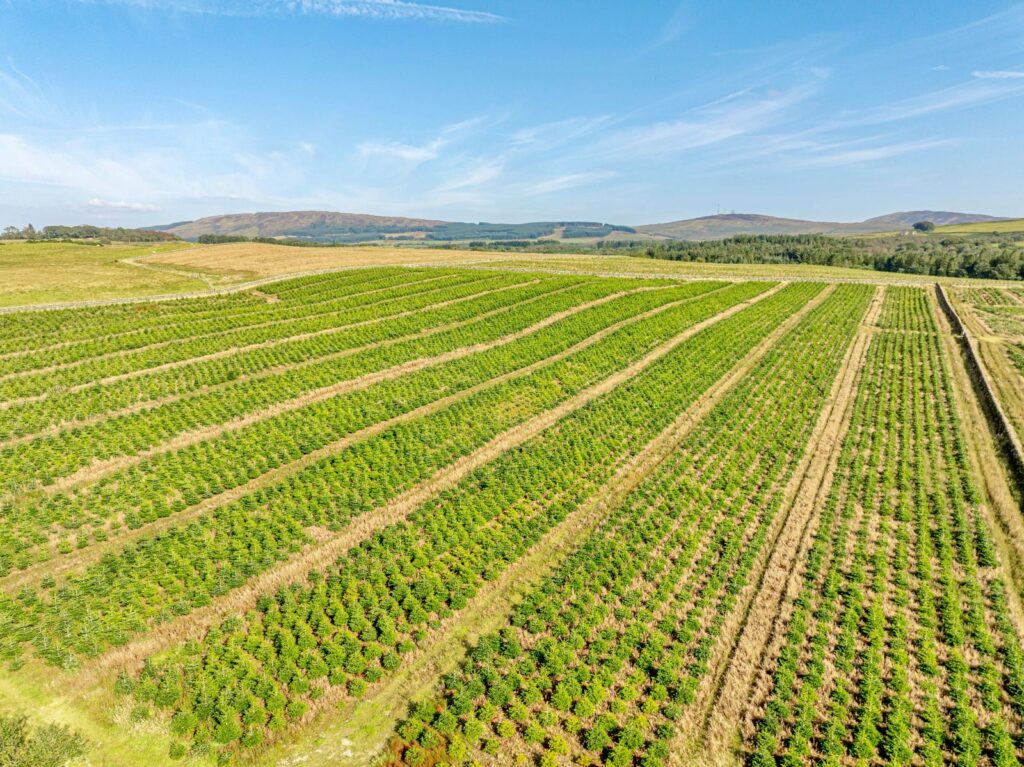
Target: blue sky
[[136, 112]]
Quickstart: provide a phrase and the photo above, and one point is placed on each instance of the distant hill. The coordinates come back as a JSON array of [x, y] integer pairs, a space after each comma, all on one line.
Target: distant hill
[[907, 219], [317, 226], [301, 223], [999, 225], [328, 227], [732, 224]]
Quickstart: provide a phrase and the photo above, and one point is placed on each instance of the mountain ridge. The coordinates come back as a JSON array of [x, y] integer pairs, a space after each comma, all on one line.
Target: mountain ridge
[[329, 226], [725, 225]]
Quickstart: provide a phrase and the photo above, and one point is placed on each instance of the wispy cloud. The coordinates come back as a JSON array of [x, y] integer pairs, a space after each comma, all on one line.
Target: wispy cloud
[[998, 74], [479, 174], [969, 94], [569, 181], [416, 154], [826, 156], [679, 22], [96, 202], [735, 115], [399, 151], [22, 97], [385, 10]]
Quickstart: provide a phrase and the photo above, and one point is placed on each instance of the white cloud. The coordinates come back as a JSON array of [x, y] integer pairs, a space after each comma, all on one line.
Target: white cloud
[[713, 123], [968, 94], [998, 74], [569, 181], [384, 10], [478, 175], [417, 154], [398, 151], [869, 154], [96, 202], [680, 21]]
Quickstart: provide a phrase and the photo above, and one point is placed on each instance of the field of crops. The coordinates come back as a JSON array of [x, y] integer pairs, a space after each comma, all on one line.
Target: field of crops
[[440, 515]]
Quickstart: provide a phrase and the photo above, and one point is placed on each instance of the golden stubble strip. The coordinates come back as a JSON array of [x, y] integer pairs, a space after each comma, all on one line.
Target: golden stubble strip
[[712, 721]]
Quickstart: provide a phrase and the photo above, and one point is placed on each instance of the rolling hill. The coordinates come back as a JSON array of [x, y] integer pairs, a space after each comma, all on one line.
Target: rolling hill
[[327, 227], [998, 226], [330, 227], [732, 224], [295, 224]]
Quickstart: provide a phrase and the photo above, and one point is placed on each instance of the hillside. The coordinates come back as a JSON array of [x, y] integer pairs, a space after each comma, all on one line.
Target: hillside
[[732, 224], [328, 227], [997, 226], [331, 227], [295, 224], [907, 219]]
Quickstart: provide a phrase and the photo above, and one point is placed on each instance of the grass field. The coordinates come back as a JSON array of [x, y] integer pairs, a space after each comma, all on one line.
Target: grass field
[[986, 227], [44, 273], [519, 514]]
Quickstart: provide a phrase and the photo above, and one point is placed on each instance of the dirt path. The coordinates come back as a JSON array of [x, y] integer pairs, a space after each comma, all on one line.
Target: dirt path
[[1004, 377], [712, 721], [1004, 512], [330, 547], [360, 731]]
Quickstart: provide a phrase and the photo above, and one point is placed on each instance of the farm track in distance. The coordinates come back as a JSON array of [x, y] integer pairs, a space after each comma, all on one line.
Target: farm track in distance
[[469, 515]]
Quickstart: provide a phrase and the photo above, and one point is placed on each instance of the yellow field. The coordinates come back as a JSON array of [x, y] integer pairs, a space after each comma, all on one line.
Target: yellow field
[[254, 260]]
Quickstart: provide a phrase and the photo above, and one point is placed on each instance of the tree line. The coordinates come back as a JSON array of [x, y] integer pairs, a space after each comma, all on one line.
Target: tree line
[[85, 232], [995, 256]]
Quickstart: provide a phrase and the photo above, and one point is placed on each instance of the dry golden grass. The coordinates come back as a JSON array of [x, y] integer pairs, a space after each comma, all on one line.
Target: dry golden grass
[[254, 260]]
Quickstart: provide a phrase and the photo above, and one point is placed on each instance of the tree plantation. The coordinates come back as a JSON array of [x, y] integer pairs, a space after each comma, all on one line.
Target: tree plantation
[[439, 515]]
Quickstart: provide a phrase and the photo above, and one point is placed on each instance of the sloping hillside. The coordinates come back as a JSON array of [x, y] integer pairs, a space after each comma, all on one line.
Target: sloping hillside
[[998, 226], [297, 224], [732, 224], [907, 219]]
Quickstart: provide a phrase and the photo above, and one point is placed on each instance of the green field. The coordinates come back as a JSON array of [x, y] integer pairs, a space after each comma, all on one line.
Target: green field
[[985, 227], [438, 514], [52, 272]]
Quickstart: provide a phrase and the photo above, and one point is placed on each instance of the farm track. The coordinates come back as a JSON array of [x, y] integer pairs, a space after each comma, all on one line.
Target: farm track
[[32, 575], [104, 468], [712, 721], [1004, 377], [331, 546], [489, 609], [1004, 508], [261, 345]]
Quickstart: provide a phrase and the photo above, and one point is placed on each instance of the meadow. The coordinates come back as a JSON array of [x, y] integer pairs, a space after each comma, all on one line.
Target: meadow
[[422, 507], [52, 272]]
